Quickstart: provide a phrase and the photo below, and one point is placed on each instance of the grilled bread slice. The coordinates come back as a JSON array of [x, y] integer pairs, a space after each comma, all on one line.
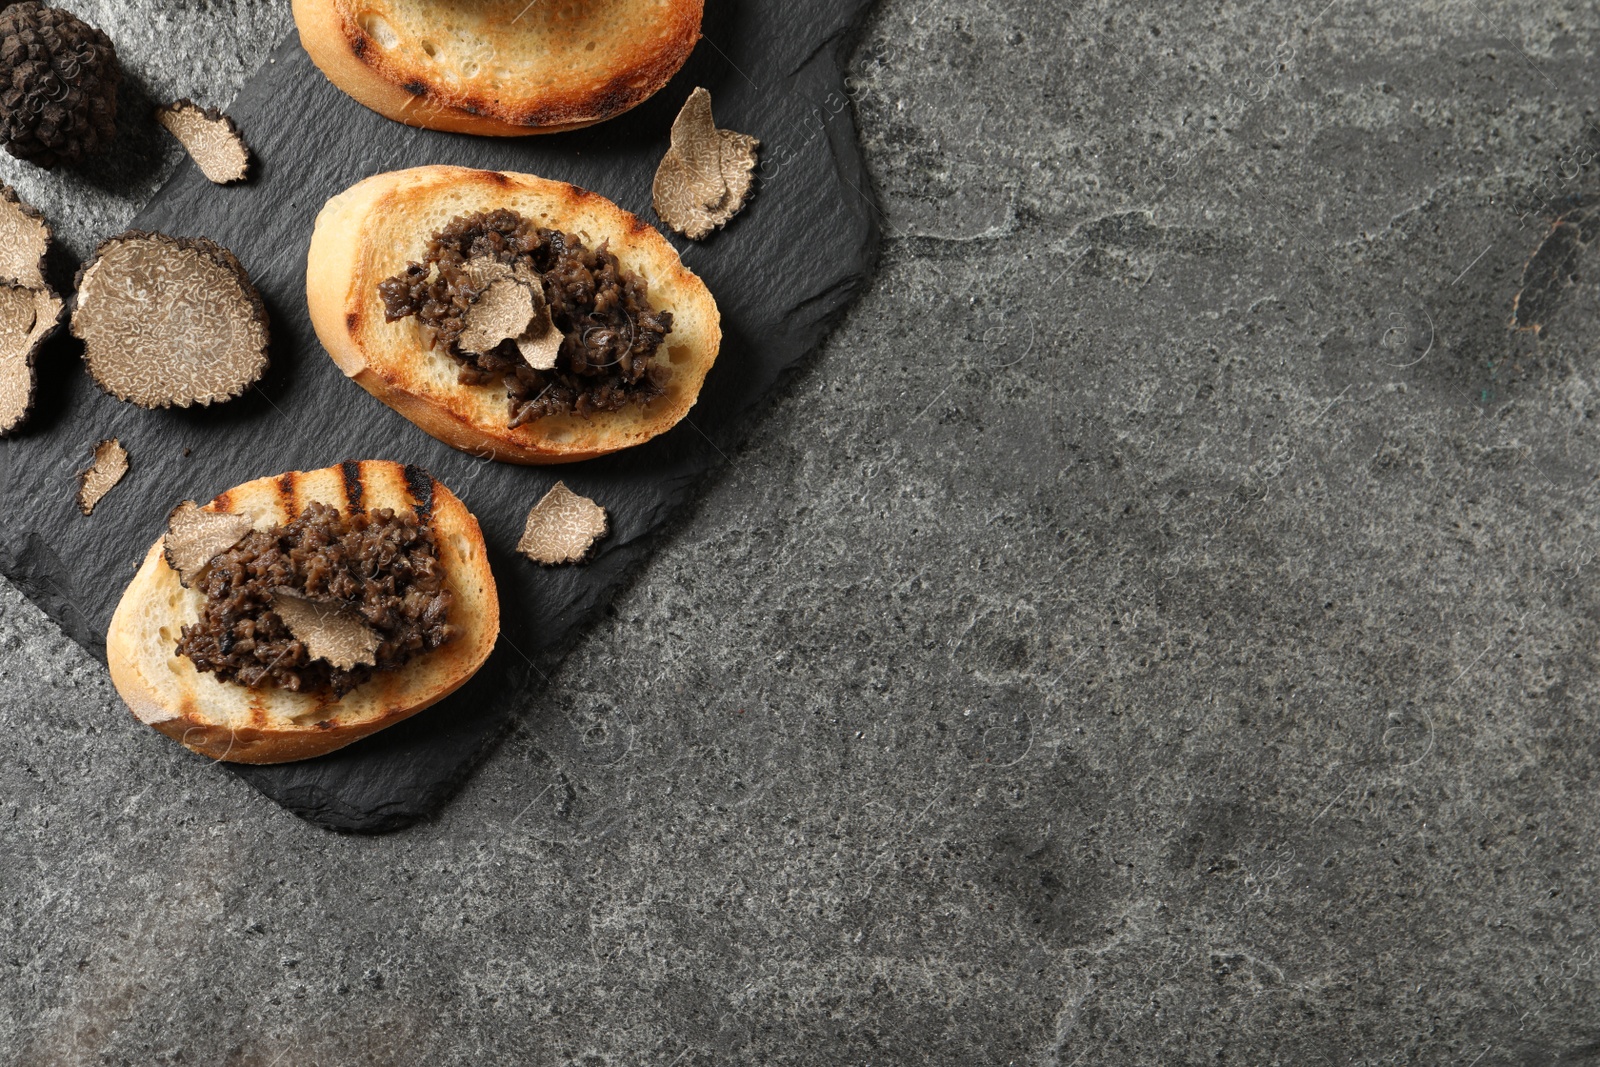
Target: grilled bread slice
[[373, 230], [228, 721], [499, 67]]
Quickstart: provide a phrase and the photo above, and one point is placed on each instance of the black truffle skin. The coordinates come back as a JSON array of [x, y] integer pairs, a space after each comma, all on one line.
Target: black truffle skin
[[58, 84]]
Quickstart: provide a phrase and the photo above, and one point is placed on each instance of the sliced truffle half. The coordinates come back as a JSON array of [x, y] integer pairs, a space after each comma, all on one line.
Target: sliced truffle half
[[196, 536], [24, 240], [110, 464], [211, 138], [707, 175], [170, 321], [27, 319], [562, 527], [330, 632]]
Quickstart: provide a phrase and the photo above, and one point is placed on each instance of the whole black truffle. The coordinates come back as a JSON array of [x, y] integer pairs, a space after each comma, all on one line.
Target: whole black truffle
[[58, 84]]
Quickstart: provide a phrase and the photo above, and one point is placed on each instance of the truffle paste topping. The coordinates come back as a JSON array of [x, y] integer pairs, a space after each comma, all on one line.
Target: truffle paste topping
[[603, 330], [291, 606]]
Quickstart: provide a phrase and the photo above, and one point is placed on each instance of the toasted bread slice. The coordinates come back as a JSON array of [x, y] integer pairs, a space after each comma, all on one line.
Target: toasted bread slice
[[373, 230], [503, 68], [228, 721]]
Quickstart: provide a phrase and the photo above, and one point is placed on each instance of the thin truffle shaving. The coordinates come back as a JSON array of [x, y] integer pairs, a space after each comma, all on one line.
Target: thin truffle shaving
[[109, 467], [331, 632], [28, 317], [562, 527], [607, 333], [211, 138], [707, 175], [195, 536], [380, 568], [502, 312], [24, 240], [30, 311]]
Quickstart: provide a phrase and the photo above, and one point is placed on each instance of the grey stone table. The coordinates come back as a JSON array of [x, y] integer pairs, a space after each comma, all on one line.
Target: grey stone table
[[1160, 628]]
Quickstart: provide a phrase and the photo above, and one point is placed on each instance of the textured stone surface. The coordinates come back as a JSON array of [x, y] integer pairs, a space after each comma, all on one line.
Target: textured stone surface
[[1159, 628]]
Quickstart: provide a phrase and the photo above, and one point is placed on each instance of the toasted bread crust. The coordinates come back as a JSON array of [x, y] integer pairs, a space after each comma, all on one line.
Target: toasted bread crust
[[226, 721], [402, 84], [373, 230]]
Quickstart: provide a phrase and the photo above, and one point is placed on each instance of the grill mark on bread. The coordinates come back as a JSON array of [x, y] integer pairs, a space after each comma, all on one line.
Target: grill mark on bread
[[419, 483], [352, 321], [286, 494], [350, 471], [223, 500]]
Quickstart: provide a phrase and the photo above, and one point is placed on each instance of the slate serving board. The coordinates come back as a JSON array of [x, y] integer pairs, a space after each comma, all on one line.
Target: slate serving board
[[782, 273]]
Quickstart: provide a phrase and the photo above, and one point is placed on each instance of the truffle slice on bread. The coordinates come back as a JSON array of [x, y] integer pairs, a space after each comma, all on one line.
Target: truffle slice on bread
[[503, 68], [375, 229], [228, 721]]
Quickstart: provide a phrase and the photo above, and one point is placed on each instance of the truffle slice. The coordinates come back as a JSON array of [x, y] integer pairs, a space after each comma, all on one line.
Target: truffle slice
[[540, 343], [511, 307], [110, 464], [562, 527], [330, 632], [211, 138], [539, 348], [196, 536], [501, 313], [24, 240], [707, 175], [28, 317], [170, 321], [484, 271]]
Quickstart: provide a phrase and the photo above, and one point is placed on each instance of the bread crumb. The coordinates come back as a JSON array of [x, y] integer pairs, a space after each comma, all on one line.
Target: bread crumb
[[110, 464], [562, 527], [707, 175]]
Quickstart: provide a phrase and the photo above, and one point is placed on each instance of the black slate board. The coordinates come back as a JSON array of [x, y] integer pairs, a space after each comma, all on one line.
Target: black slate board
[[782, 273]]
